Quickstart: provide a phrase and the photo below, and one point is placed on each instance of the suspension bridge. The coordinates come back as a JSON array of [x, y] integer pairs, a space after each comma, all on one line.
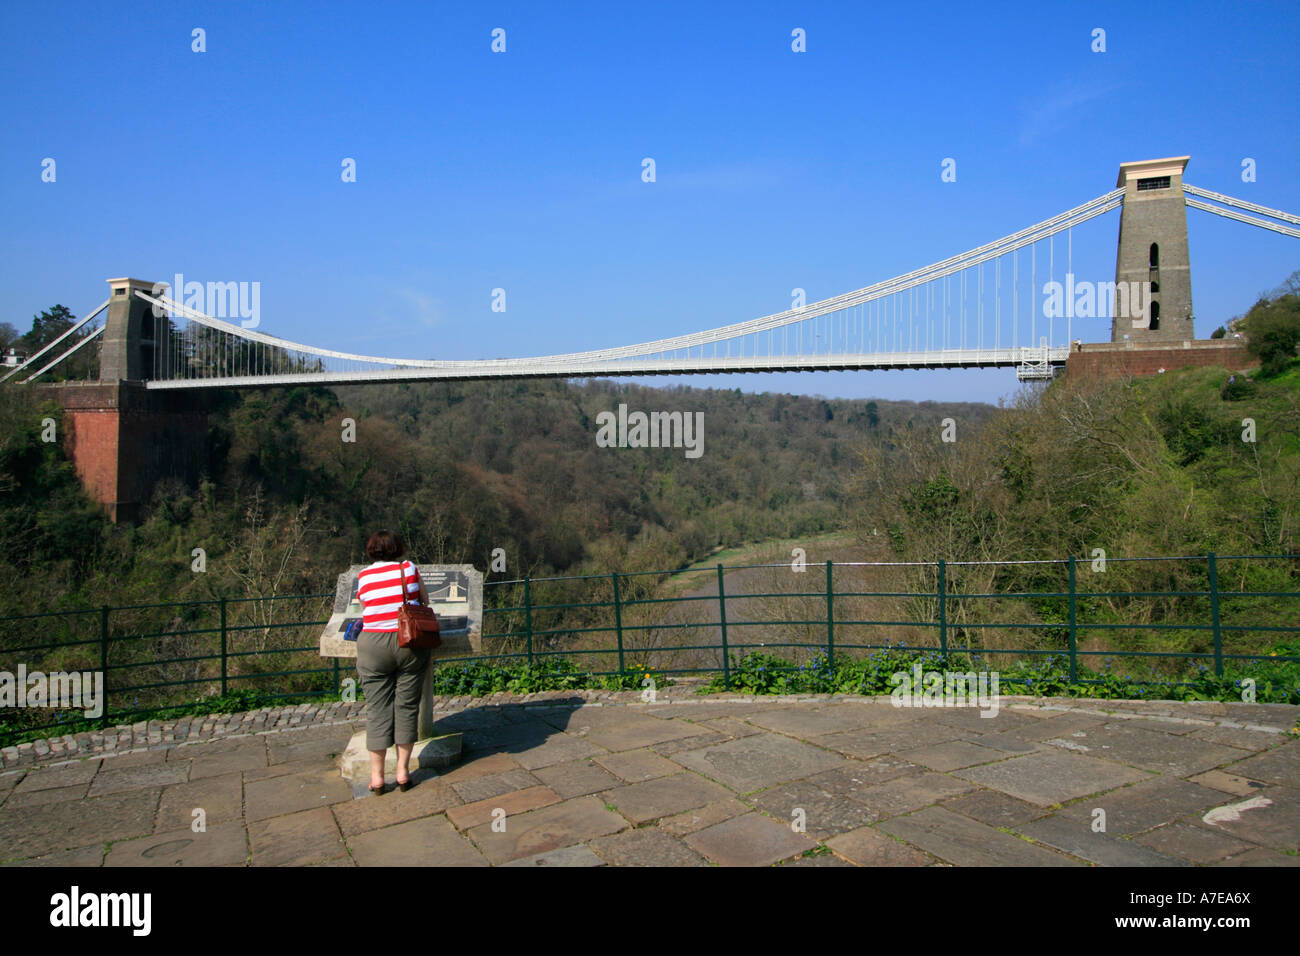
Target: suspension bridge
[[982, 308]]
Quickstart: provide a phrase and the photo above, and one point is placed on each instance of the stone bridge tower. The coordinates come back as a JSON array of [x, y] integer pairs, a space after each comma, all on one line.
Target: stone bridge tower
[[1153, 249], [122, 437]]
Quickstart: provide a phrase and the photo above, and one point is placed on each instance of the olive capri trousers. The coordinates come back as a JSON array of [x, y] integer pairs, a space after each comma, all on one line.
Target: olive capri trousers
[[391, 678]]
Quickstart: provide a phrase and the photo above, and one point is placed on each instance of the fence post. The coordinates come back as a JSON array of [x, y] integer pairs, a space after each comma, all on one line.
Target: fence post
[[943, 609], [224, 657], [1074, 642], [1214, 614], [103, 660], [830, 618], [618, 623], [528, 616], [722, 617]]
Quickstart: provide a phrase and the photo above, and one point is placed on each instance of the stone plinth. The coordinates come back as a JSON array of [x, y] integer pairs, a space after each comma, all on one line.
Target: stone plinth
[[1117, 360], [436, 752]]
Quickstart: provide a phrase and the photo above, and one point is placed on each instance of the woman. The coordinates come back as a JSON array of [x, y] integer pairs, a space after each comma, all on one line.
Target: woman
[[391, 676]]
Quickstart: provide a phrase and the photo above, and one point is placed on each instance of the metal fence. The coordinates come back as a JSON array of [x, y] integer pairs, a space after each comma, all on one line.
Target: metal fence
[[153, 656]]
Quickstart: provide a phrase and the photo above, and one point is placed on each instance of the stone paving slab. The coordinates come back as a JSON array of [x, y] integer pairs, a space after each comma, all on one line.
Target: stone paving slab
[[816, 859], [579, 820], [579, 855], [295, 839], [615, 729], [957, 840], [857, 775], [1281, 766], [646, 847], [1270, 817], [1082, 841], [952, 756], [1057, 725], [1159, 752], [427, 798], [45, 829], [749, 840], [479, 765], [1260, 857], [501, 807], [808, 722], [487, 787], [731, 727], [667, 796], [558, 748], [415, 843], [681, 744], [49, 778], [218, 845], [133, 778], [34, 798], [1046, 778], [1228, 782], [230, 761], [635, 766], [85, 856], [685, 781], [973, 719], [1146, 804], [292, 792], [140, 758], [751, 763], [577, 778], [1195, 843], [220, 798], [867, 846], [994, 808], [865, 744], [1239, 737], [821, 813], [688, 821], [911, 792]]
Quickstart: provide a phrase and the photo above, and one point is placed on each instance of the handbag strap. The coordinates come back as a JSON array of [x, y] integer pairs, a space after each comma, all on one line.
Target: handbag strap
[[401, 569]]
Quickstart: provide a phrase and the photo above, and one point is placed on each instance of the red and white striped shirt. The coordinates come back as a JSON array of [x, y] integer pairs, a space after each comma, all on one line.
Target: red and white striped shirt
[[379, 591]]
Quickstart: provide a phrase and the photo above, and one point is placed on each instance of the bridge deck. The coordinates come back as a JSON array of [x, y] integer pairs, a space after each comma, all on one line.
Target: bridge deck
[[513, 368]]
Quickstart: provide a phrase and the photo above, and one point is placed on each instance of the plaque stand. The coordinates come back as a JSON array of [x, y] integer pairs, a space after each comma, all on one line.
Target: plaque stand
[[435, 749]]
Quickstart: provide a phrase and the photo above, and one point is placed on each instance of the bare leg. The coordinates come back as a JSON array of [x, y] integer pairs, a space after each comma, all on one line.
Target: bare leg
[[403, 762], [377, 766]]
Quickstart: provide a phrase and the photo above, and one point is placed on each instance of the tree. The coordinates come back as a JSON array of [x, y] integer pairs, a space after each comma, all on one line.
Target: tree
[[1273, 331], [47, 327]]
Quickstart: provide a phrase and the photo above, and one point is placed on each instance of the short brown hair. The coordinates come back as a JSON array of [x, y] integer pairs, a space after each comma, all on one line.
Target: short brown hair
[[385, 546]]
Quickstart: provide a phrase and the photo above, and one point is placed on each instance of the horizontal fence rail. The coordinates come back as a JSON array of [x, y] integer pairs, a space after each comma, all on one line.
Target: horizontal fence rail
[[695, 621]]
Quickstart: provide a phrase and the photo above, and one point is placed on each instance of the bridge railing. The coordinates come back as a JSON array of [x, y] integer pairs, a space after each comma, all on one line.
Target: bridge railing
[[1242, 608]]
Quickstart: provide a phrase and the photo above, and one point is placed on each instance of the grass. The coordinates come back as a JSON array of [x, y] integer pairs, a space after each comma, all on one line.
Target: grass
[[1275, 681]]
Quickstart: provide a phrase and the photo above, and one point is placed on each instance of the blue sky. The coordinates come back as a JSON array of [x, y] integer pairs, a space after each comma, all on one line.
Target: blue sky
[[522, 170]]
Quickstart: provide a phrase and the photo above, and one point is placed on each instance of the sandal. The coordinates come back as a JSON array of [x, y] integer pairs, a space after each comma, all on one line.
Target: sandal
[[379, 790], [405, 785]]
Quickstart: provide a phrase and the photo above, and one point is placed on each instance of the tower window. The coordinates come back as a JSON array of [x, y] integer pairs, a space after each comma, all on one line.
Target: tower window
[[1155, 317], [1153, 182], [1154, 256]]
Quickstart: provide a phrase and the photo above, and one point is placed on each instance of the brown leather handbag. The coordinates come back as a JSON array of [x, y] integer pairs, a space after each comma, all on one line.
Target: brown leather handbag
[[417, 625]]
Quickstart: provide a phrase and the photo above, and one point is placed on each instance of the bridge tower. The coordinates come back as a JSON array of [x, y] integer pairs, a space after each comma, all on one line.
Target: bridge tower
[[122, 437], [1153, 249], [130, 337]]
